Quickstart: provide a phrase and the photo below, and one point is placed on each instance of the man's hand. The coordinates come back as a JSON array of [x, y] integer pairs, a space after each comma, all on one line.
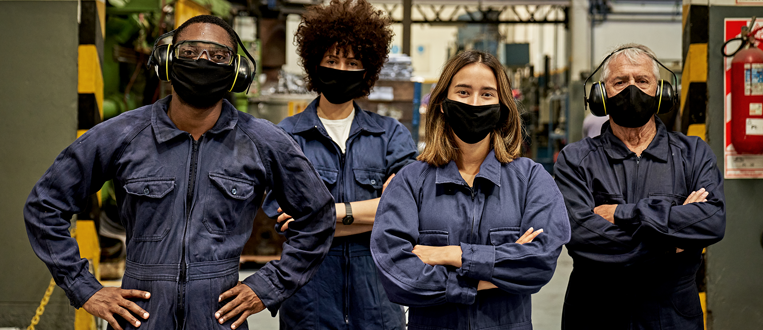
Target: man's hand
[[606, 211], [109, 301], [245, 303], [697, 196]]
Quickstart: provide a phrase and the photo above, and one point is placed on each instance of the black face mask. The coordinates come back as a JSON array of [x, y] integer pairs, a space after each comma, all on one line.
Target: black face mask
[[201, 83], [631, 107], [340, 86], [471, 123]]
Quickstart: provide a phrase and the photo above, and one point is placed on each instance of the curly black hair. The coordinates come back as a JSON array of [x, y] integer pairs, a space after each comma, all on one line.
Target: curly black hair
[[346, 24]]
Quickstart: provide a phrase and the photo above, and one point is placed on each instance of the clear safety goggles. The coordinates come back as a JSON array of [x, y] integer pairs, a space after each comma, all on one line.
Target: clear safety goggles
[[193, 49]]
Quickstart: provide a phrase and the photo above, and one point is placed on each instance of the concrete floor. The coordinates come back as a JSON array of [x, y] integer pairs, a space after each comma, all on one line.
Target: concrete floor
[[547, 304]]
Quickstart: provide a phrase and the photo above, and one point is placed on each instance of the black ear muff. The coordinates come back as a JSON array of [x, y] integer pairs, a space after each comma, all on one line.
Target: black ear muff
[[244, 75], [162, 60], [666, 99], [597, 99]]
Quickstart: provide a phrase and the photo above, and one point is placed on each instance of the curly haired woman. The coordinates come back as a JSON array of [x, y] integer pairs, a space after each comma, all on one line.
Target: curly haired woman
[[343, 46]]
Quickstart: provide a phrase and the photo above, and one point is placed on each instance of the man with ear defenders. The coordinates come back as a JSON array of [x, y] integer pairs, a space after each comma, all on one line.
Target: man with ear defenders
[[190, 171], [642, 201]]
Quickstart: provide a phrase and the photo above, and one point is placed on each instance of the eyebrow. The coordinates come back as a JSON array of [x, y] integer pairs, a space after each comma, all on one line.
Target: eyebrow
[[334, 56], [490, 88]]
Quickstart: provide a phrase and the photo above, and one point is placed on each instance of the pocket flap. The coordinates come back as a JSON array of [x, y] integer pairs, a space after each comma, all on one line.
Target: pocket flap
[[672, 198], [233, 187], [601, 198], [150, 187], [328, 176], [369, 178], [504, 235], [433, 238]]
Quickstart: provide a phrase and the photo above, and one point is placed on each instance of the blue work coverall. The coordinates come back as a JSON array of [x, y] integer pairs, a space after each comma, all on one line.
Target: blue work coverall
[[628, 275], [188, 209], [434, 206], [345, 293]]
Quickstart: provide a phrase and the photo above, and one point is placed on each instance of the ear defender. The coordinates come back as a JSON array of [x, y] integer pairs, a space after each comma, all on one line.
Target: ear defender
[[162, 57], [244, 75], [597, 99], [666, 99]]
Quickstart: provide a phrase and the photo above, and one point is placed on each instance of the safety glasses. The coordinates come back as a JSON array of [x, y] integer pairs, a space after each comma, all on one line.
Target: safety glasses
[[193, 49]]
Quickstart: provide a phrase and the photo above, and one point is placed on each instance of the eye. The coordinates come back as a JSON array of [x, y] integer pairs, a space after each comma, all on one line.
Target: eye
[[487, 94], [462, 92]]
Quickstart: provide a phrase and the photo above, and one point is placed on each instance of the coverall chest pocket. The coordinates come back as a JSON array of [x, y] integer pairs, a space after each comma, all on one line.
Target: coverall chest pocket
[[328, 176], [148, 207], [672, 198], [369, 184], [228, 200], [500, 236], [433, 238], [601, 198]]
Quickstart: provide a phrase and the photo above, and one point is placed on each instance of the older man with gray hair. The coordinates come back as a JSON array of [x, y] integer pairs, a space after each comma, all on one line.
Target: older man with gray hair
[[642, 201]]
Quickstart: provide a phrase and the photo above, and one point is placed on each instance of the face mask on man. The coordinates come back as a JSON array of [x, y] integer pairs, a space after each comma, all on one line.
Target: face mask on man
[[340, 86], [201, 83], [471, 123], [631, 107]]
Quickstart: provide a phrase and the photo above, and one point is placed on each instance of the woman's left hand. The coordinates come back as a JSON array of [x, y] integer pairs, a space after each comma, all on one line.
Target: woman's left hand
[[439, 255]]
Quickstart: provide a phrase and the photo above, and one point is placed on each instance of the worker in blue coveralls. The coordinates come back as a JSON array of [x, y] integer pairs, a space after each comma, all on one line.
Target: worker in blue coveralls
[[343, 46], [189, 172], [465, 235], [643, 203]]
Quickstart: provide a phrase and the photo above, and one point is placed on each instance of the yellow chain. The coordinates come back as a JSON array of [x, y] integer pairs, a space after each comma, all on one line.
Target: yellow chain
[[41, 309]]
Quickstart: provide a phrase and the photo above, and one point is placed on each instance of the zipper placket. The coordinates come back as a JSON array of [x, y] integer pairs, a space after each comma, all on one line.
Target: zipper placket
[[471, 232], [193, 173]]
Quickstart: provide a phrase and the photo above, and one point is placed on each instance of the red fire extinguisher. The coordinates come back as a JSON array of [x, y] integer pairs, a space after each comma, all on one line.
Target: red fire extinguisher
[[747, 93]]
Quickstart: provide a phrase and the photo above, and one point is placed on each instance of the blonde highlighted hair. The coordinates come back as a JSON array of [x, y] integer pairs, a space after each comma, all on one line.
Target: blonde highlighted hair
[[506, 138]]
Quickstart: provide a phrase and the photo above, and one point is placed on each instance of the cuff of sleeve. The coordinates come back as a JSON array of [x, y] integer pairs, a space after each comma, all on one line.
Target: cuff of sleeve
[[82, 288], [477, 261], [624, 215], [460, 290], [264, 290]]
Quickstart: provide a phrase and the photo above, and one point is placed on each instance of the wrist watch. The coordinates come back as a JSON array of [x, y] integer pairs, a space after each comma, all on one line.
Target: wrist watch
[[348, 218]]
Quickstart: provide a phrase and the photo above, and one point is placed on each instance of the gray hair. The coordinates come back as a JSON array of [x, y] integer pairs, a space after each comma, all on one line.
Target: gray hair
[[632, 52]]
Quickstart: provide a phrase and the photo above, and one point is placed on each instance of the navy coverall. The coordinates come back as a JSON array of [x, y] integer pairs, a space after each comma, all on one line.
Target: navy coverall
[[345, 293], [628, 275], [188, 208], [434, 206]]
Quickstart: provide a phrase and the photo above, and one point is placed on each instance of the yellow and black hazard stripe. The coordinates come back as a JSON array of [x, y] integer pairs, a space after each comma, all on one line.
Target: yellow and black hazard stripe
[[90, 58], [694, 77]]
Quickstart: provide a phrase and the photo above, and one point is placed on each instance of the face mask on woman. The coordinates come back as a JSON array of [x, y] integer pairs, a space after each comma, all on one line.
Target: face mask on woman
[[340, 86], [471, 123]]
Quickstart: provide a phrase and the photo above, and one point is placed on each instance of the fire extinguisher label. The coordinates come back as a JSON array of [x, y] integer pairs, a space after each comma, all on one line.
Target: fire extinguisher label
[[756, 109], [754, 126], [753, 79]]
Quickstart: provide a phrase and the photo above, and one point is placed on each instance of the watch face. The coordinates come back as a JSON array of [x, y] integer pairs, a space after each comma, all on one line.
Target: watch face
[[348, 220]]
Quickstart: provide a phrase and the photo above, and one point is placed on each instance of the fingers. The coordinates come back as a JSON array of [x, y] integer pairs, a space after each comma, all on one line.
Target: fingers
[[127, 316], [235, 308], [283, 217], [133, 307], [112, 321], [135, 294], [679, 250], [240, 320], [384, 187], [529, 235], [286, 225], [697, 196], [227, 295]]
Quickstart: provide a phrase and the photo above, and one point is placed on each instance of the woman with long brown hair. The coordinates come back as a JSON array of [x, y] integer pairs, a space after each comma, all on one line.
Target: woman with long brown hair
[[465, 235]]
